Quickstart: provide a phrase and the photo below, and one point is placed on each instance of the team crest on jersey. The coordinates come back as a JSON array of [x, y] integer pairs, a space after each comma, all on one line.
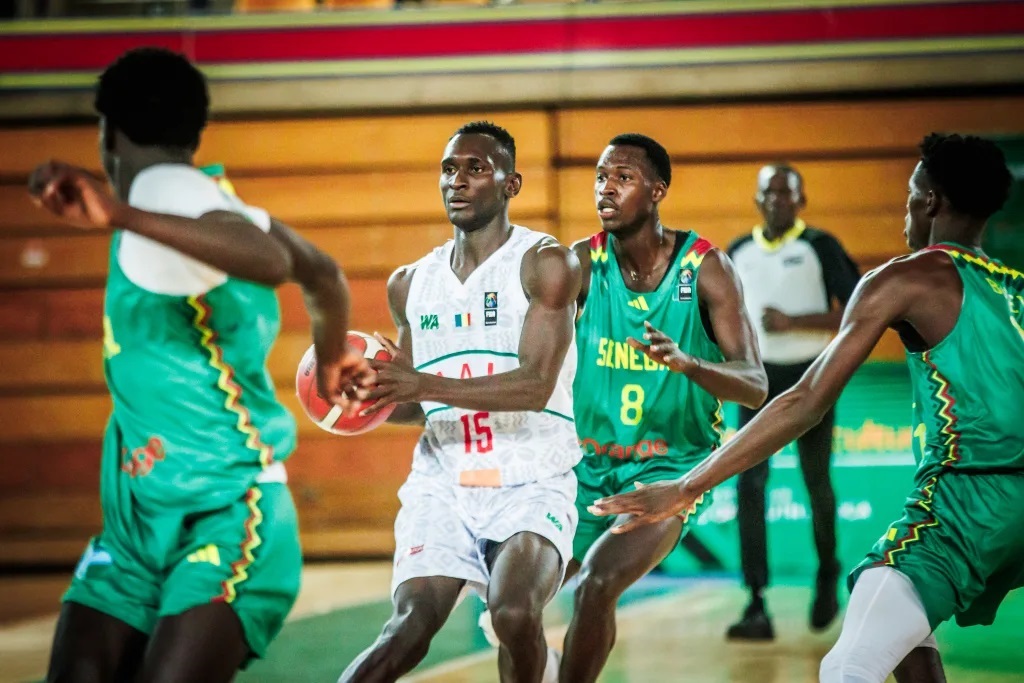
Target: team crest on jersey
[[429, 322], [490, 309]]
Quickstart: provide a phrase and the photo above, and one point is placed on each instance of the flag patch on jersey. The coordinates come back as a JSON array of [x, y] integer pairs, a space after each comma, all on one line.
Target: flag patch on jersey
[[462, 320], [639, 303]]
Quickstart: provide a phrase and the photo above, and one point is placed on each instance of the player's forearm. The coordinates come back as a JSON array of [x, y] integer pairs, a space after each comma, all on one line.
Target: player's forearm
[[223, 240], [828, 322], [407, 414], [780, 422], [326, 294], [738, 381], [520, 389]]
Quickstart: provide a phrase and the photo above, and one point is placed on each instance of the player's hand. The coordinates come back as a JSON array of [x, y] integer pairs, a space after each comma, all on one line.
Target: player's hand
[[73, 195], [775, 320], [340, 380], [661, 349], [397, 380], [650, 503]]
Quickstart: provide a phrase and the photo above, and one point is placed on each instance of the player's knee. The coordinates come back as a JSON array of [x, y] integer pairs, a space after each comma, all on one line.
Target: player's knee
[[597, 588], [845, 666], [516, 622]]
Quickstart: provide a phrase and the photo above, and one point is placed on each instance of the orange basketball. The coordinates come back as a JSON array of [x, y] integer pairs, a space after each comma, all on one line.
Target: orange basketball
[[325, 414]]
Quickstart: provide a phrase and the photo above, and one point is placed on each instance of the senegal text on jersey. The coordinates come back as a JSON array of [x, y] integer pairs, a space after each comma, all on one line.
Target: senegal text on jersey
[[621, 356]]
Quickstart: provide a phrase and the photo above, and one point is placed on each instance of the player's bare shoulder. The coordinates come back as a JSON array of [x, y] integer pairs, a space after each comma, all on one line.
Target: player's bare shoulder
[[927, 269], [551, 271]]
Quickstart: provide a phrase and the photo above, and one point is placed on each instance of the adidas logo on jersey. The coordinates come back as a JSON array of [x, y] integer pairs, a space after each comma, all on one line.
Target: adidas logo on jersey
[[208, 554], [639, 303]]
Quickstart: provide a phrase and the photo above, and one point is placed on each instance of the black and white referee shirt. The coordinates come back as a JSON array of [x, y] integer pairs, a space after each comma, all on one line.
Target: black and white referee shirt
[[800, 273]]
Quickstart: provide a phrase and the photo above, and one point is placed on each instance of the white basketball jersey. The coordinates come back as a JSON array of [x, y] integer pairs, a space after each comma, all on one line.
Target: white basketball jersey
[[472, 329]]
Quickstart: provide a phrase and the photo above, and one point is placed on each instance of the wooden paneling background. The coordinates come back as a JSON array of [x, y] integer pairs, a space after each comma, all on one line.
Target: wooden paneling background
[[365, 189]]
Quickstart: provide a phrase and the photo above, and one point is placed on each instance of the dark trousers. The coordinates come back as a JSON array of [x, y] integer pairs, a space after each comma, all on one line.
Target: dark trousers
[[815, 449]]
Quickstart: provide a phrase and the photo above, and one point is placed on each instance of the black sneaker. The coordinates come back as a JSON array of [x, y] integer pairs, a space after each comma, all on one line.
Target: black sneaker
[[754, 625], [825, 607]]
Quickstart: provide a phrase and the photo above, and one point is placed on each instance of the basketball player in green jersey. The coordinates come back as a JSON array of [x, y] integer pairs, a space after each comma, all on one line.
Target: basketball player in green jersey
[[958, 549], [638, 420], [198, 561]]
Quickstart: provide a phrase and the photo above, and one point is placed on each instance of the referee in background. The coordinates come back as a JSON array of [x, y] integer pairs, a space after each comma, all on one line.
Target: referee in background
[[796, 282]]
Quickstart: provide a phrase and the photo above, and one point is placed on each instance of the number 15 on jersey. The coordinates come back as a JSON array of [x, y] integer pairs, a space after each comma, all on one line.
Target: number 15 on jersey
[[477, 433]]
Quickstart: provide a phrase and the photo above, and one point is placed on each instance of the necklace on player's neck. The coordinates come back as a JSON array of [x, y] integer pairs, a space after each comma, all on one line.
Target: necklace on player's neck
[[634, 273]]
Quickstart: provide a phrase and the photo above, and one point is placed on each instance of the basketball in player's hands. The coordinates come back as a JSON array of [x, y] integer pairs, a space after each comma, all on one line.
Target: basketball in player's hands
[[331, 417]]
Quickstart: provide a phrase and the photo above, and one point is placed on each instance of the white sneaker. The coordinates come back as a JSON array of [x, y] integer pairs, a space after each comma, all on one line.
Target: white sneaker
[[485, 625]]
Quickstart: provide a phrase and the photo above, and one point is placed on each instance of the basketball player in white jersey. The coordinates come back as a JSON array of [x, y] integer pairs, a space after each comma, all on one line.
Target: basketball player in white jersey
[[485, 360]]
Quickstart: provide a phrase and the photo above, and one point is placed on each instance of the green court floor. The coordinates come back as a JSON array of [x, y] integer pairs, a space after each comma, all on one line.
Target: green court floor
[[661, 626]]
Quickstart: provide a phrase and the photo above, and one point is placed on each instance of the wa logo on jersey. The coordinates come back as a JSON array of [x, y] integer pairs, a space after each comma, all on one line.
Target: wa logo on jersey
[[429, 322], [490, 309]]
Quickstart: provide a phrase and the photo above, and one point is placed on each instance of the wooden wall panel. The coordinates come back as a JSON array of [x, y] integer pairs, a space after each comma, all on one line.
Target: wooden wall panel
[[62, 314], [318, 199], [245, 147], [767, 131], [727, 189], [82, 415], [371, 197]]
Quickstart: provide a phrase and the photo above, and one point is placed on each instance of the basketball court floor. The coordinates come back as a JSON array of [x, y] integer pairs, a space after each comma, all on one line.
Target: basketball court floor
[[670, 629]]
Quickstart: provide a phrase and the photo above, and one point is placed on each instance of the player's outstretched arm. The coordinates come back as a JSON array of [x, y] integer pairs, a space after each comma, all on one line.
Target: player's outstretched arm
[[326, 295], [230, 243], [222, 239], [741, 377], [882, 298], [551, 279]]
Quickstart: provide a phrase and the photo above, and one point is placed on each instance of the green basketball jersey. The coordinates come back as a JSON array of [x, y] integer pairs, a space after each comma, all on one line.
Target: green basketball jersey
[[195, 416], [627, 406], [969, 388]]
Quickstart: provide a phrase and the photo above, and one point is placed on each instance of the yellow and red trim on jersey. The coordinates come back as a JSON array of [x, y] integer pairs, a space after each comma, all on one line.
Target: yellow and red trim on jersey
[[252, 540], [694, 256], [913, 534], [599, 248], [226, 382], [951, 435], [717, 419]]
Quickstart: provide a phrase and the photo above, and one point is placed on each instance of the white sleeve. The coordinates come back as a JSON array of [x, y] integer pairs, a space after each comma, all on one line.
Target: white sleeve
[[178, 190]]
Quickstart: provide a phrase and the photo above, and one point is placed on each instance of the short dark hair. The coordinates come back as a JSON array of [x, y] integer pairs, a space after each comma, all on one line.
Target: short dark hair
[[656, 154], [504, 138], [155, 97], [967, 170]]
